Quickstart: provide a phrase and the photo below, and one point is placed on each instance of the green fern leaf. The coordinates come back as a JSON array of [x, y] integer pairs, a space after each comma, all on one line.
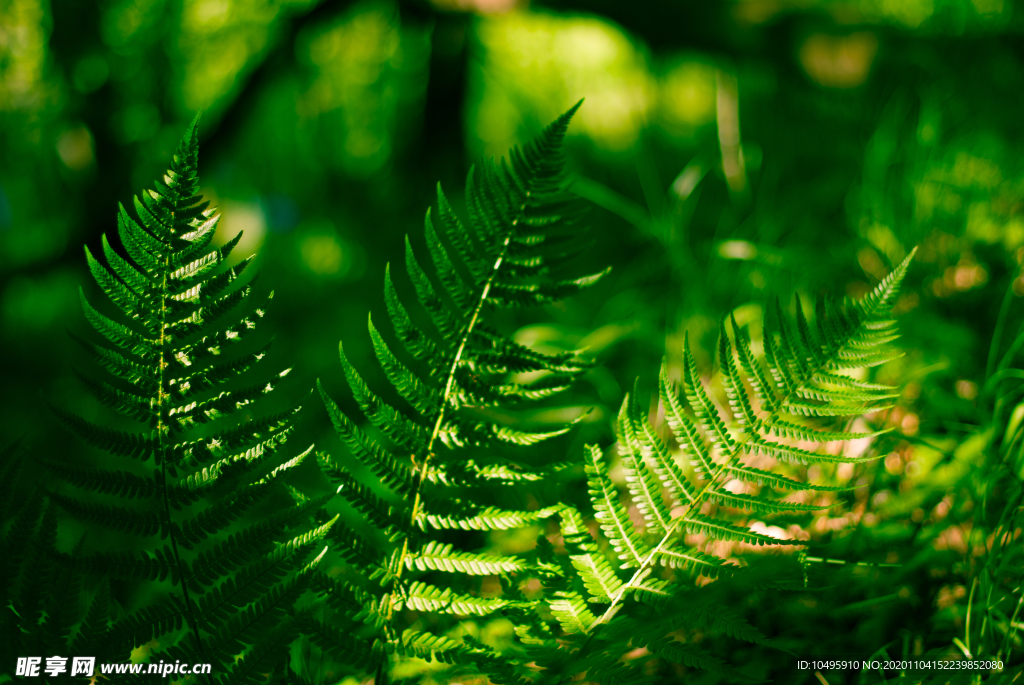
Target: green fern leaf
[[509, 253], [693, 560], [641, 481], [440, 557], [424, 597], [681, 653], [611, 515], [803, 380], [438, 648], [184, 331], [571, 611], [456, 515], [595, 571]]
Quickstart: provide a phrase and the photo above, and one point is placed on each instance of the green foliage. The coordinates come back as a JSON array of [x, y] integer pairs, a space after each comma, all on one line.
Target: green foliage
[[995, 602], [804, 385], [217, 532], [230, 549], [42, 600], [804, 378], [735, 151], [441, 451]]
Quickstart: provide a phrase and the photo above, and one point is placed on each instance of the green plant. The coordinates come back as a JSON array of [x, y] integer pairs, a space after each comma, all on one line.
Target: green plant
[[220, 538], [443, 460], [807, 381], [464, 368], [994, 605], [41, 600]]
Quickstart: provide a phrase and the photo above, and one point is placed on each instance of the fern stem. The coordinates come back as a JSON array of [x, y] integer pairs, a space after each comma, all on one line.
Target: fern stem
[[458, 354], [422, 474], [189, 608], [520, 193], [163, 430], [435, 433]]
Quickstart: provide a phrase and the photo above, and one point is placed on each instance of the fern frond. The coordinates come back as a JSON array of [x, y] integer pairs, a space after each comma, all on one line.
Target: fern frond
[[689, 655], [230, 554], [177, 349], [756, 476], [157, 565], [571, 611], [348, 648], [122, 484], [765, 413], [44, 598], [717, 529], [509, 253], [692, 560], [121, 519], [438, 648], [95, 624]]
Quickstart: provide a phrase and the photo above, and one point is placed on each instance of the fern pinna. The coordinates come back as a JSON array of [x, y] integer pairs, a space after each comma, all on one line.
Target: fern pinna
[[441, 453], [207, 503], [804, 379]]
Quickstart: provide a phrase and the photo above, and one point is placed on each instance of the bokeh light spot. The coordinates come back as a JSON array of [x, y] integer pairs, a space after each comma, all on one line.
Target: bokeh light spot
[[322, 254], [839, 61], [247, 217], [22, 54], [544, 63], [75, 148], [687, 95]]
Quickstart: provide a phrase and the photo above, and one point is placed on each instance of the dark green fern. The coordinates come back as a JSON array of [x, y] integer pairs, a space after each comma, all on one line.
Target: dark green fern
[[435, 456], [801, 383], [41, 600], [189, 493]]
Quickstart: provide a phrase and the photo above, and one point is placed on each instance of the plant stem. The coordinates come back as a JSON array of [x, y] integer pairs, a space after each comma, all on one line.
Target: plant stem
[[163, 432]]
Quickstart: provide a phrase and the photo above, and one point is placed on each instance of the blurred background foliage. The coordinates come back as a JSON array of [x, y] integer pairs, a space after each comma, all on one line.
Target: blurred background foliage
[[733, 150]]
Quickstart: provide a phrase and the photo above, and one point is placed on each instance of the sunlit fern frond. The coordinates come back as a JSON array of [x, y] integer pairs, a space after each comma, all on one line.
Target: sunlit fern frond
[[201, 486], [801, 391], [434, 454]]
